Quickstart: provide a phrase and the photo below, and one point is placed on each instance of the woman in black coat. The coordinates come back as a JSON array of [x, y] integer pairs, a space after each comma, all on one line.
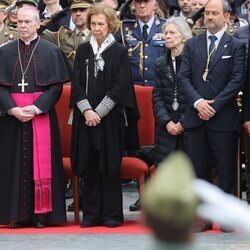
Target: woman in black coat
[[168, 100], [102, 96]]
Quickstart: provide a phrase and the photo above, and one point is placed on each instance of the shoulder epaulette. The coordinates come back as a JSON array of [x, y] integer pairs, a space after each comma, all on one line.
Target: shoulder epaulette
[[64, 29], [129, 21], [162, 19]]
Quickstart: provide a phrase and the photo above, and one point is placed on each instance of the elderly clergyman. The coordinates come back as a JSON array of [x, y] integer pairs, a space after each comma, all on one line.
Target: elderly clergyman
[[31, 76]]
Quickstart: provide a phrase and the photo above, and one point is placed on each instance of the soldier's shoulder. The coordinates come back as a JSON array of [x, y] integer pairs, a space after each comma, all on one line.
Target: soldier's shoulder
[[8, 34], [65, 30], [162, 20], [128, 25], [231, 30], [128, 21], [64, 35], [159, 21], [199, 30]]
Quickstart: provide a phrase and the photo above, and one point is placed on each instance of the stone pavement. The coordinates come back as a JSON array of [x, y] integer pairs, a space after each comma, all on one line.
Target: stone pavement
[[220, 241]]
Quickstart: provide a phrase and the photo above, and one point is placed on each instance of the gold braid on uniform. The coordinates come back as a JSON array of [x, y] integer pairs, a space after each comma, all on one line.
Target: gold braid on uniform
[[130, 51], [122, 35], [58, 37], [72, 53], [141, 60]]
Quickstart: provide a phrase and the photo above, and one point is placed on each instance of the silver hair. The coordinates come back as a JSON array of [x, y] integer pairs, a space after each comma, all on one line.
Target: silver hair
[[181, 25], [32, 9]]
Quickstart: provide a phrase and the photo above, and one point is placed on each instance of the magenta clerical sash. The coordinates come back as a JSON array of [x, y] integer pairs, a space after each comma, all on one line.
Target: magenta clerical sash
[[41, 153]]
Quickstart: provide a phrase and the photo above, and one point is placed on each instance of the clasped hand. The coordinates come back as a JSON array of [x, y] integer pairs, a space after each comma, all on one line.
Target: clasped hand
[[24, 114], [92, 118], [174, 128], [206, 111]]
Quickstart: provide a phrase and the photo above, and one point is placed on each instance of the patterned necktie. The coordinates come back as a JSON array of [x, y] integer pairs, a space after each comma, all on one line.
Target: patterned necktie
[[145, 32], [79, 37], [212, 45]]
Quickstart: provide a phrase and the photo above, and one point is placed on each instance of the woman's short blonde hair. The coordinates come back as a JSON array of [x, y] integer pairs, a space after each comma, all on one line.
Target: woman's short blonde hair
[[108, 11]]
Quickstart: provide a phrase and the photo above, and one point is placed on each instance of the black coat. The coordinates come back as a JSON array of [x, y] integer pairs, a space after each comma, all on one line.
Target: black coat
[[108, 138], [163, 95], [16, 154]]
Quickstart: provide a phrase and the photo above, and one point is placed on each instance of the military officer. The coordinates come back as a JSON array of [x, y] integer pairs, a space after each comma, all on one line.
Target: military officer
[[67, 39], [7, 33], [144, 39]]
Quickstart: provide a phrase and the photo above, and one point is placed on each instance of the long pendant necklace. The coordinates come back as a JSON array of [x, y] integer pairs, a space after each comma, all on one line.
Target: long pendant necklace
[[23, 84], [175, 104], [204, 75]]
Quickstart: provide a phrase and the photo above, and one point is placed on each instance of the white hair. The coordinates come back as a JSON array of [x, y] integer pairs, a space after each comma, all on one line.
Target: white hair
[[181, 25], [31, 9]]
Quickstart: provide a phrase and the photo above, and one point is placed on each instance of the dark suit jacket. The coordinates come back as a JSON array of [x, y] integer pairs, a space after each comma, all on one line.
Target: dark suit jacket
[[224, 81]]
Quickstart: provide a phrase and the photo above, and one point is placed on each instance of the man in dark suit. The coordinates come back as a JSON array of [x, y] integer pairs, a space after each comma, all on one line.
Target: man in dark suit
[[212, 74]]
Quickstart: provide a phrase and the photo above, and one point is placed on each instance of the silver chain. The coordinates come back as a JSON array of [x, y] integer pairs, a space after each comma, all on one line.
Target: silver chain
[[19, 56]]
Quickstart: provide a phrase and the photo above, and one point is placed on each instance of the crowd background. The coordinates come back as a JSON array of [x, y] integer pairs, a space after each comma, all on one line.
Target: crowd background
[[154, 34]]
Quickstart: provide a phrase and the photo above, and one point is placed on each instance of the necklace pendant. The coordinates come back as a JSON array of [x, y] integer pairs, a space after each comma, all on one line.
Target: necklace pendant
[[23, 84], [204, 76], [175, 105]]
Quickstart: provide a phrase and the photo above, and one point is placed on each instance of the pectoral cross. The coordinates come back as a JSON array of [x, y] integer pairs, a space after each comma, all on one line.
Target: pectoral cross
[[22, 84]]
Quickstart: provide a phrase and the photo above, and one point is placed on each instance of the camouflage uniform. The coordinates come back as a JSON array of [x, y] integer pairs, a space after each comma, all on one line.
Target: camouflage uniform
[[7, 35], [67, 40]]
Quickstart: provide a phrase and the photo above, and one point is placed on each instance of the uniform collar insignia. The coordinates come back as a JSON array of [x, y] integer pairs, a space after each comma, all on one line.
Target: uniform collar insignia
[[157, 22]]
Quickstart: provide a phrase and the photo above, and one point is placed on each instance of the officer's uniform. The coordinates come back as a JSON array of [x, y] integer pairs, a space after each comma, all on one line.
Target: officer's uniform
[[142, 54], [7, 34], [67, 40]]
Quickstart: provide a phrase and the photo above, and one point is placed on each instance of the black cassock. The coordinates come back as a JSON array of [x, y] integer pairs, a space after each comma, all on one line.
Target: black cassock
[[97, 151], [46, 73]]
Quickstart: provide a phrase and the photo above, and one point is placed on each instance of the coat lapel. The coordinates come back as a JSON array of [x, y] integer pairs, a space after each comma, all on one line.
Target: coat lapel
[[137, 31], [202, 46], [166, 67], [154, 29], [169, 69], [220, 50]]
